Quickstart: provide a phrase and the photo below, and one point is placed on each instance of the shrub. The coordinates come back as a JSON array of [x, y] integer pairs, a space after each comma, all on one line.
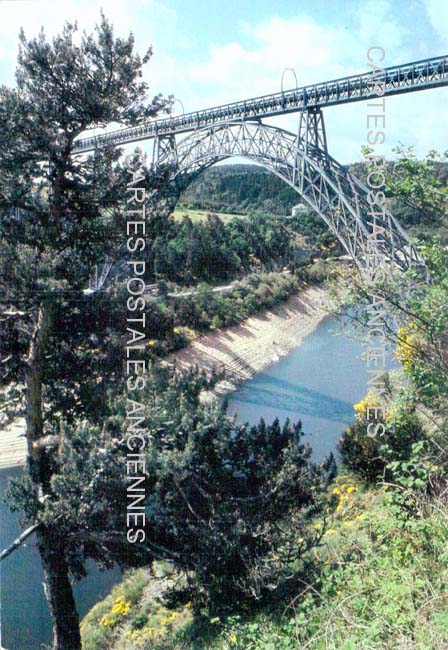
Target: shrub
[[360, 452], [318, 271], [232, 504], [372, 456]]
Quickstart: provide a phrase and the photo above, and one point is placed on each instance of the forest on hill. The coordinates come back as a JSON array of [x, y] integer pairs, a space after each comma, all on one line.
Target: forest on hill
[[248, 189], [240, 189]]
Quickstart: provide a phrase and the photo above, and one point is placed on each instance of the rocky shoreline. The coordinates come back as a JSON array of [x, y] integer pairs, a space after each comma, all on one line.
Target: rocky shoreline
[[13, 445], [240, 351], [244, 350]]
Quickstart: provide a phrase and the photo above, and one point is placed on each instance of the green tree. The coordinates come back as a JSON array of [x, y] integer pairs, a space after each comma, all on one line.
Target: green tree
[[59, 215], [419, 185], [414, 309], [231, 505]]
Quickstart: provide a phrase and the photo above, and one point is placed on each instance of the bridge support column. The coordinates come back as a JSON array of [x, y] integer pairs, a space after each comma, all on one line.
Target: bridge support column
[[311, 140], [311, 132], [164, 151]]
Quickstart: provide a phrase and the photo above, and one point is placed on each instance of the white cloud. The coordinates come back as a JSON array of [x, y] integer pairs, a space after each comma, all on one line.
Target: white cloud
[[437, 11], [144, 18], [235, 70], [379, 24], [253, 63]]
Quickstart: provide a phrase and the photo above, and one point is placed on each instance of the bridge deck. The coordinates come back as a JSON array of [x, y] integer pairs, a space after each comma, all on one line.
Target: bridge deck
[[409, 77]]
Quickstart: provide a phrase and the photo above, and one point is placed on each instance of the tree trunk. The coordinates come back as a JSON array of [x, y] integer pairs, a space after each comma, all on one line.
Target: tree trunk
[[58, 589], [33, 390], [59, 592]]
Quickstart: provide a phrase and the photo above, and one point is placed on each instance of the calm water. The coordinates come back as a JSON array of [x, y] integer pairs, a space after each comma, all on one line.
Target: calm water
[[25, 620], [317, 383]]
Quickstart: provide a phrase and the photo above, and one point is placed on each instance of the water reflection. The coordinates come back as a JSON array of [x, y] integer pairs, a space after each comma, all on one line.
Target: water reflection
[[317, 383], [270, 391]]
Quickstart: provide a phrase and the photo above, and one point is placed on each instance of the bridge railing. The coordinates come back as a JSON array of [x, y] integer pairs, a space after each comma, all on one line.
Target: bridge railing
[[419, 75]]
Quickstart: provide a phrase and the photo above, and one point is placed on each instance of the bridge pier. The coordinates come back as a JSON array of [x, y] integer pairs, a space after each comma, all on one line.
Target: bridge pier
[[301, 160], [164, 149], [311, 141], [312, 136]]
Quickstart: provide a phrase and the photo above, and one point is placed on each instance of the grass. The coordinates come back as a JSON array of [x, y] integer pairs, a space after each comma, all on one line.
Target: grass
[[379, 583], [201, 215], [135, 616]]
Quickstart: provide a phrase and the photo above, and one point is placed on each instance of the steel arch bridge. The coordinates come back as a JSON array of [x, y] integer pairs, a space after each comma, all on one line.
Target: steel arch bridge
[[304, 164], [302, 160]]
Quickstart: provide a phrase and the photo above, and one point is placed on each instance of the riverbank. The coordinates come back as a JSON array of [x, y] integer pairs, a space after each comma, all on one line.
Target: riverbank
[[243, 350], [13, 445]]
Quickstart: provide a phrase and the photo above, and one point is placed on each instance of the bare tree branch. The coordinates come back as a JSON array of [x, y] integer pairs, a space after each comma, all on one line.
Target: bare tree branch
[[17, 543]]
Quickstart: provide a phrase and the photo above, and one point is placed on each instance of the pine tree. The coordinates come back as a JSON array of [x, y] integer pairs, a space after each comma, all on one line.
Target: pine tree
[[58, 218]]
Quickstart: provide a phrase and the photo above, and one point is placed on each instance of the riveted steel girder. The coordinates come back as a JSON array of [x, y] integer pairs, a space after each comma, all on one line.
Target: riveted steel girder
[[408, 77], [303, 162]]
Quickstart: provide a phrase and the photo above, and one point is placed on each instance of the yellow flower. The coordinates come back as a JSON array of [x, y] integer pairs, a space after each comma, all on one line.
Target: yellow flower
[[369, 401], [121, 606], [233, 638], [169, 619], [351, 489], [407, 343], [107, 621], [391, 412]]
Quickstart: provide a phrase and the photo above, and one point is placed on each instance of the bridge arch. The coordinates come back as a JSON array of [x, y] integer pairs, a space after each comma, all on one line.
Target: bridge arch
[[305, 165]]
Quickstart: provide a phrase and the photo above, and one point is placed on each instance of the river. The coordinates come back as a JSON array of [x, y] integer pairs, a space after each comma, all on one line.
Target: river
[[25, 622], [318, 383]]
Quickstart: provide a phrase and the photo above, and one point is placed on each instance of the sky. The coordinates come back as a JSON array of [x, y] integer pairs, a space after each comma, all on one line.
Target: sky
[[216, 51]]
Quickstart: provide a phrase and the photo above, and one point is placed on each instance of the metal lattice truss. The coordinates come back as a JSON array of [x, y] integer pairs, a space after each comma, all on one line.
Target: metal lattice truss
[[303, 162], [395, 80]]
